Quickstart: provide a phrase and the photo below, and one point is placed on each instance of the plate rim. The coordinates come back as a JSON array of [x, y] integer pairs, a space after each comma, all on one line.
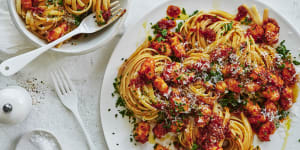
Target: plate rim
[[131, 27]]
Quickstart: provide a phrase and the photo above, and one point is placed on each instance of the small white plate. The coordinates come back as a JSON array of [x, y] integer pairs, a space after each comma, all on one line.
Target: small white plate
[[117, 130], [83, 45], [38, 140]]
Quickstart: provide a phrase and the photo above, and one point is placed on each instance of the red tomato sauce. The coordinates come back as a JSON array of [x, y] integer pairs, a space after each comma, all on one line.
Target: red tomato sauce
[[213, 133], [166, 24], [173, 11], [242, 12]]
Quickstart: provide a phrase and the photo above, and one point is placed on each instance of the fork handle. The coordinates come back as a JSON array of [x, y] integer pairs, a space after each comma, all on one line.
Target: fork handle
[[15, 64], [89, 141]]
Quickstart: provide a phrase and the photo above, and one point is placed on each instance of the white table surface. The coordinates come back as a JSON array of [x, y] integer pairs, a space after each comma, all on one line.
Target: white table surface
[[87, 73]]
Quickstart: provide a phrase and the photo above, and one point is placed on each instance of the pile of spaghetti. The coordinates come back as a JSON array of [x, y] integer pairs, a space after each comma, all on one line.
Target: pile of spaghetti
[[211, 83], [50, 19]]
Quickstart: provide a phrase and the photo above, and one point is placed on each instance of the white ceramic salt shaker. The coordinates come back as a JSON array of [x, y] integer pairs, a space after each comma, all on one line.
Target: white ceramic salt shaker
[[15, 105]]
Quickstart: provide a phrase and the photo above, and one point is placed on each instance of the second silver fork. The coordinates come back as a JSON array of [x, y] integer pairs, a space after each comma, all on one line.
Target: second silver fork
[[68, 96]]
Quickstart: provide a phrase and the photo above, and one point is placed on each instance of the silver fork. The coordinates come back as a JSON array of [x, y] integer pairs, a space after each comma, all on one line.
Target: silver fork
[[88, 25], [68, 96]]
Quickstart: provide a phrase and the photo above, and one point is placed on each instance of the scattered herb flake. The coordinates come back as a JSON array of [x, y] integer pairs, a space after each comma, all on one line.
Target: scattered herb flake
[[195, 147], [159, 39], [194, 13], [183, 11], [246, 21], [281, 49], [281, 66], [227, 27], [60, 2], [283, 114], [179, 26], [164, 32], [156, 29], [296, 62], [77, 20], [229, 100]]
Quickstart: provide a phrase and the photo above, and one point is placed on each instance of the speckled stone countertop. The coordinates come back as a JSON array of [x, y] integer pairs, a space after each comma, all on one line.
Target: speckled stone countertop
[[87, 73]]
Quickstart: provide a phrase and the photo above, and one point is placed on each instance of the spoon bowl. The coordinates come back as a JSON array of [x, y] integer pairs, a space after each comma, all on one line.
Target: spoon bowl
[[38, 140]]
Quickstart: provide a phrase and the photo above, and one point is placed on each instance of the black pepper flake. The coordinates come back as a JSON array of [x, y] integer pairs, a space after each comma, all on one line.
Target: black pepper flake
[[109, 109]]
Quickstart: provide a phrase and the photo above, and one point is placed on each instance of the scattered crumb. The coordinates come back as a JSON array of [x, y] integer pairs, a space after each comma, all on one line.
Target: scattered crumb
[[36, 88]]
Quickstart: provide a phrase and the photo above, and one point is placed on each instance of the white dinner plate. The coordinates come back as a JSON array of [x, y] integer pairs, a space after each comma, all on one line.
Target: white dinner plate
[[117, 130]]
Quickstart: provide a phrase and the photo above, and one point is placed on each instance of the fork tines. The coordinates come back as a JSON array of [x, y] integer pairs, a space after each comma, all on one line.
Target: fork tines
[[62, 82], [116, 11], [114, 4]]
